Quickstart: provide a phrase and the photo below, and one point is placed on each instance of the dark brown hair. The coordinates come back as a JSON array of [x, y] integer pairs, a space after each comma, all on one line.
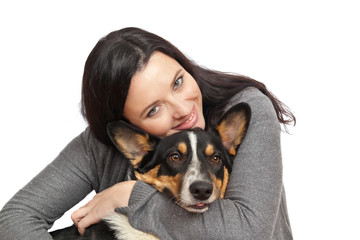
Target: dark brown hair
[[119, 55]]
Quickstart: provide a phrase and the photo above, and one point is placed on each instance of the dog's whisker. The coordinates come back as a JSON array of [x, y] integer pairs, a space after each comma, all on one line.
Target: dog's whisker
[[177, 199]]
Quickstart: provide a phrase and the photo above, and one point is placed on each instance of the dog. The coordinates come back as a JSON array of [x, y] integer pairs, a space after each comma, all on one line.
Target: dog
[[192, 167]]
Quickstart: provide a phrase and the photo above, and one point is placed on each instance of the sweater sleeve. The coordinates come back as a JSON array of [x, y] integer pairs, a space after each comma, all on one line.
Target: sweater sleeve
[[62, 184], [251, 207]]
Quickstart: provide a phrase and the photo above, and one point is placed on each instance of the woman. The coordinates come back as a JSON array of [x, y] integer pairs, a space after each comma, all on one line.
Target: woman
[[137, 76]]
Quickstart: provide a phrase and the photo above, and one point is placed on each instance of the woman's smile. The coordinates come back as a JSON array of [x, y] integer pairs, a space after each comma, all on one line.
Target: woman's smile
[[189, 122]]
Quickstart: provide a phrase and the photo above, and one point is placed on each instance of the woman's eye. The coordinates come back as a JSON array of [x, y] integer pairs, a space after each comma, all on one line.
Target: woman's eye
[[153, 111], [178, 82]]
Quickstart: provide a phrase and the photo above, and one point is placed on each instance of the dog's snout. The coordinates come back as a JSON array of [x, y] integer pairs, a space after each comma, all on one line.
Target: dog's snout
[[201, 190]]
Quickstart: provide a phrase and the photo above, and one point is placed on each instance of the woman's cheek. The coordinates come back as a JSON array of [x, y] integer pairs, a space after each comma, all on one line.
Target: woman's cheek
[[158, 127]]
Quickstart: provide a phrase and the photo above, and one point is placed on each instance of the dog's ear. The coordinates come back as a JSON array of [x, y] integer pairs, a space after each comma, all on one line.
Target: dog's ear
[[131, 141], [233, 126]]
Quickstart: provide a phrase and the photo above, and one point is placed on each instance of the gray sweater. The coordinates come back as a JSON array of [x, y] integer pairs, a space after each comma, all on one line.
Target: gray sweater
[[254, 206]]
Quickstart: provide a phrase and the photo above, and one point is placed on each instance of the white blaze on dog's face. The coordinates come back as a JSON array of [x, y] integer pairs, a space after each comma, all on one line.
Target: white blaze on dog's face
[[198, 188]]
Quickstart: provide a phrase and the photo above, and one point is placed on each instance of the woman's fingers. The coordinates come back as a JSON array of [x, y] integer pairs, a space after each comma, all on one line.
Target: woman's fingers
[[91, 213], [87, 221], [79, 214], [85, 217], [83, 211]]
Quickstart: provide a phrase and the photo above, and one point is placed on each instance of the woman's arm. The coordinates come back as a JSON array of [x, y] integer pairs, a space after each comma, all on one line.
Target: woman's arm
[[250, 209], [62, 184]]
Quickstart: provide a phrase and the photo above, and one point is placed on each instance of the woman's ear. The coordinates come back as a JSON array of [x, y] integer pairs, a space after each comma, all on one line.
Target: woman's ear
[[132, 142], [233, 126]]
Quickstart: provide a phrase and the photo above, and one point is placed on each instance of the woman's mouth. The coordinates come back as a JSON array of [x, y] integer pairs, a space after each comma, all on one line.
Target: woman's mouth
[[190, 121]]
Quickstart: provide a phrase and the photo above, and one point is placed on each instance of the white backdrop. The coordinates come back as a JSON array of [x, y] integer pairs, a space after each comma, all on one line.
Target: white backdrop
[[306, 52]]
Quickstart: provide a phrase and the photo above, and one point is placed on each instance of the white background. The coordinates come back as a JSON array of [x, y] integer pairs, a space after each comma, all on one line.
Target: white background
[[306, 52]]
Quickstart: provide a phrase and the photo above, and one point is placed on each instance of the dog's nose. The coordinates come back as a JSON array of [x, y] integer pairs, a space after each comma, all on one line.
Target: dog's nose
[[201, 190]]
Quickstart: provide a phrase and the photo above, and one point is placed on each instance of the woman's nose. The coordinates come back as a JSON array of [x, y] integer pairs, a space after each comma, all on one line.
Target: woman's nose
[[181, 108]]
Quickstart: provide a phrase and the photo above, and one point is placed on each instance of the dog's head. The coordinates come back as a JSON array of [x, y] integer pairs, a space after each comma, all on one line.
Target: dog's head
[[191, 166]]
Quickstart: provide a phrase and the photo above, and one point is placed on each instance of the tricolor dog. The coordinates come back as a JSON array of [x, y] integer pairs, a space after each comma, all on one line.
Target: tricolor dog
[[192, 167]]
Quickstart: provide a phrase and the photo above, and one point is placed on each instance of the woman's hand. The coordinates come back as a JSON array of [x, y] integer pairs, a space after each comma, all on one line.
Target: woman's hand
[[102, 205]]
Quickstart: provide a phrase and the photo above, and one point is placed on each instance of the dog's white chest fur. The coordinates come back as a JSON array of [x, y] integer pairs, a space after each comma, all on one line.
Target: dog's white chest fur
[[124, 231]]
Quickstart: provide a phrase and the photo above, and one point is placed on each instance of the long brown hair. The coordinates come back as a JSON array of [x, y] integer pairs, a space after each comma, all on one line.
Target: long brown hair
[[119, 55]]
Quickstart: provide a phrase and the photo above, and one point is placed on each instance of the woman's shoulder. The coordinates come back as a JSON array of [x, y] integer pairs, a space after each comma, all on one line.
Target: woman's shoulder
[[85, 141], [87, 147], [253, 96], [262, 109]]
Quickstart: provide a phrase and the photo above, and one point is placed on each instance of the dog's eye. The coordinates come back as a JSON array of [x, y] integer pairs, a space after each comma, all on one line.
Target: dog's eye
[[215, 159], [174, 157]]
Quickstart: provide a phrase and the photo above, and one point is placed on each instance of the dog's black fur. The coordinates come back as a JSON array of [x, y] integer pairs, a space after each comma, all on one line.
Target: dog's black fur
[[165, 163]]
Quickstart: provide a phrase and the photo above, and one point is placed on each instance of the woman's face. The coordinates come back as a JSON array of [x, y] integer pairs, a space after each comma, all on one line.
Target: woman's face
[[163, 98]]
